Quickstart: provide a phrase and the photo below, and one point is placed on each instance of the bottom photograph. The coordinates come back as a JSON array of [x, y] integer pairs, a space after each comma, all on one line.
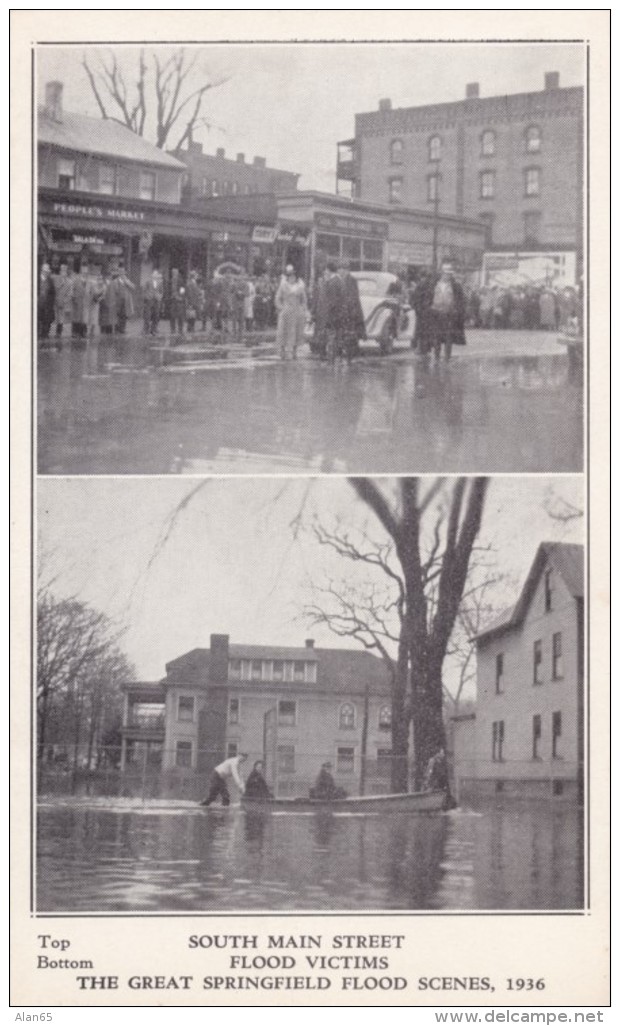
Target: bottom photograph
[[301, 694]]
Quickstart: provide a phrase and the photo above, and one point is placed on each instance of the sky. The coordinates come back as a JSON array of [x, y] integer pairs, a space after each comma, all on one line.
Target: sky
[[292, 103], [235, 560]]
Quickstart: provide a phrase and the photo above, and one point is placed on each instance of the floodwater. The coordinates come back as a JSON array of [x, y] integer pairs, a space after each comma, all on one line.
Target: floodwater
[[116, 855], [511, 405]]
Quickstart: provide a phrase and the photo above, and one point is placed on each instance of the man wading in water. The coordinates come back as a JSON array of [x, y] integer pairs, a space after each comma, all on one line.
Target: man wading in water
[[221, 774]]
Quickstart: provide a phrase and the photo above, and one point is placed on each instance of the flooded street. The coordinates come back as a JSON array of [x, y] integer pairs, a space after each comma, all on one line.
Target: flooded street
[[114, 855], [509, 402]]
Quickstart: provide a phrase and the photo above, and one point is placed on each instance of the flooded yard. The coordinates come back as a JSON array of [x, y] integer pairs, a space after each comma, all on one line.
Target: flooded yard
[[115, 855]]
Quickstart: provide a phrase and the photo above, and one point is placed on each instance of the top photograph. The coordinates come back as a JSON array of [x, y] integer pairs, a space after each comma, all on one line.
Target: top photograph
[[310, 258]]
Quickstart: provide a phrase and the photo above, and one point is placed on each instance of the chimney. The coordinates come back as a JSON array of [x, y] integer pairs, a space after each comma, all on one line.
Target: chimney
[[309, 642], [53, 100], [552, 80], [194, 147], [241, 158], [220, 152], [260, 161], [385, 104], [218, 661], [472, 90]]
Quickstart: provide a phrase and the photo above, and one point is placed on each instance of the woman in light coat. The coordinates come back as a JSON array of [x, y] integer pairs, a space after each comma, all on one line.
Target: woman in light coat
[[292, 308]]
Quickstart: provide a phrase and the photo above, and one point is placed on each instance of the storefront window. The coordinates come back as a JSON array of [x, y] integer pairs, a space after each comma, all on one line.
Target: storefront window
[[330, 244], [352, 250], [372, 255]]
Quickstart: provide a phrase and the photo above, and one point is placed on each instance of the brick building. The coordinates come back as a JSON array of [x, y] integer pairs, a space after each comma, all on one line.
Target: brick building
[[526, 737], [218, 175], [293, 707], [513, 162]]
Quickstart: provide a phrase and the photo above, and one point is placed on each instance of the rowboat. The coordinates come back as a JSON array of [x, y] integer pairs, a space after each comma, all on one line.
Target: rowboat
[[416, 801]]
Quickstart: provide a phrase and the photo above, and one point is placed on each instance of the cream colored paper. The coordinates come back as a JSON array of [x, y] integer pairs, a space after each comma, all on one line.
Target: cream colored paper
[[570, 951]]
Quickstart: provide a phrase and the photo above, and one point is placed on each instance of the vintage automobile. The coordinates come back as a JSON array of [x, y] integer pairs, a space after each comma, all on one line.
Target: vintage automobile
[[385, 311]]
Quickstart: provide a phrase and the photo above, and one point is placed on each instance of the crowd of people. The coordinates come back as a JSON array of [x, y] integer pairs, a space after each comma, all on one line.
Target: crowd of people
[[528, 307], [83, 303]]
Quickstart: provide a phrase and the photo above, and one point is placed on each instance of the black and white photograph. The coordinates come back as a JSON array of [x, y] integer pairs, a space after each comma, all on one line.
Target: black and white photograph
[[310, 365], [253, 259], [310, 694]]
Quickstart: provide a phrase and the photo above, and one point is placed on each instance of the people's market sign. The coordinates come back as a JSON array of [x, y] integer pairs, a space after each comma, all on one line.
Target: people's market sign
[[346, 225], [101, 213]]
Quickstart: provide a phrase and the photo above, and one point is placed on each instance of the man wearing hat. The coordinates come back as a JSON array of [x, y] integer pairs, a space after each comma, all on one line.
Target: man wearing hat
[[325, 786]]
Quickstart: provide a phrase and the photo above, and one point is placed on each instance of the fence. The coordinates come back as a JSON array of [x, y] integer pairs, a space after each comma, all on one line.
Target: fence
[[149, 770]]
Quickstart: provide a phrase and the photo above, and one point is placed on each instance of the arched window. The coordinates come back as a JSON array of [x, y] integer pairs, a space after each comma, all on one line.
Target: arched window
[[533, 139], [396, 151], [385, 718], [487, 143], [434, 147], [347, 716]]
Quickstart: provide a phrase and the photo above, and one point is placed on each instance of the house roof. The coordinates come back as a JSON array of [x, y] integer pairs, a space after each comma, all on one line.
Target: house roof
[[102, 136], [338, 670], [566, 560]]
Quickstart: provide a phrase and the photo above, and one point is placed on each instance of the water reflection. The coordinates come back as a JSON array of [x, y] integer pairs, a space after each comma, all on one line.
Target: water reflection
[[118, 407], [117, 859]]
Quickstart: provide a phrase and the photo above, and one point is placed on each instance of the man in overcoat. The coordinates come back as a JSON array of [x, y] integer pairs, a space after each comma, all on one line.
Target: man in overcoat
[[442, 310]]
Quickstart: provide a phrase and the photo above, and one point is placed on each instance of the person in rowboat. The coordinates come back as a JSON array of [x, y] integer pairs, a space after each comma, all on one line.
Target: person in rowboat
[[325, 788], [256, 786], [223, 773]]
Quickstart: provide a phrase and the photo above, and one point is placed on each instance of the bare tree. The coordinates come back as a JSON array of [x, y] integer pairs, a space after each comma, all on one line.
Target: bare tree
[[167, 92], [77, 654], [431, 530]]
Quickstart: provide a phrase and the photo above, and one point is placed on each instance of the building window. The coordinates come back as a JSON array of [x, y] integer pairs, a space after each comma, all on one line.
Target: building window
[[538, 662], [234, 668], [487, 143], [434, 147], [246, 189], [533, 139], [531, 227], [548, 591], [185, 708], [395, 190], [499, 673], [184, 754], [299, 672], [536, 736], [107, 180], [384, 762], [385, 718], [532, 181], [432, 188], [487, 185], [226, 187], [556, 735], [278, 669], [147, 185], [558, 662], [311, 673], [257, 669], [232, 749], [66, 174], [346, 720], [498, 741], [233, 710], [345, 759], [396, 151], [287, 713], [286, 758], [215, 187]]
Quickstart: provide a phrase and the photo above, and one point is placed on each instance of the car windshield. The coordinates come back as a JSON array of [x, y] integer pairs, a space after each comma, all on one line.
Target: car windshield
[[369, 287]]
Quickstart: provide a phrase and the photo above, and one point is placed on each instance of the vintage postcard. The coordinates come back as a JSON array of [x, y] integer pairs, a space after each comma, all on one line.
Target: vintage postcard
[[310, 691]]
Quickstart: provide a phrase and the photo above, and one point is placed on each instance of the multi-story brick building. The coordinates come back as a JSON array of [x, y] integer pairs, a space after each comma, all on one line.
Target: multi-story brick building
[[513, 162], [218, 175], [526, 737], [293, 707]]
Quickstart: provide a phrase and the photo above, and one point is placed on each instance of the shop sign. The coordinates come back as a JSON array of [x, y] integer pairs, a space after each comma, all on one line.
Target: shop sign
[[87, 240], [410, 252], [351, 225], [219, 236], [261, 234], [501, 262], [105, 213]]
